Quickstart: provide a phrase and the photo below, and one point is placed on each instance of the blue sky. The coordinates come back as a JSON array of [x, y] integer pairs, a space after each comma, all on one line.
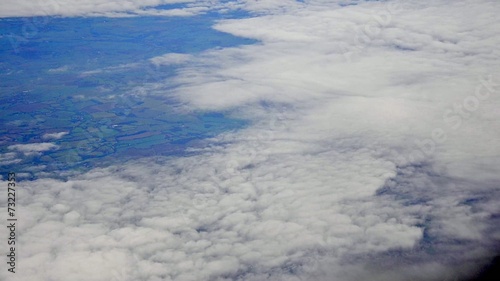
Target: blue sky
[[371, 148]]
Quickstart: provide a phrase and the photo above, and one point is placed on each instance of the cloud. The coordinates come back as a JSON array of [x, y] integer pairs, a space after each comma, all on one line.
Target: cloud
[[59, 69], [54, 135], [111, 69], [372, 155], [33, 147], [183, 12], [130, 8], [198, 224], [172, 58], [27, 8], [8, 158]]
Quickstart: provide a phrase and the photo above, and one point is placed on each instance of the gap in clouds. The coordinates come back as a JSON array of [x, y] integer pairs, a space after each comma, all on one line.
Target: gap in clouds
[[81, 75]]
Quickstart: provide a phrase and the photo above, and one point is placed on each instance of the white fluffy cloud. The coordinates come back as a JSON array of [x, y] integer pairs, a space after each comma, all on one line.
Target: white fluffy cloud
[[14, 8], [33, 147], [373, 155], [9, 158], [54, 135], [199, 223]]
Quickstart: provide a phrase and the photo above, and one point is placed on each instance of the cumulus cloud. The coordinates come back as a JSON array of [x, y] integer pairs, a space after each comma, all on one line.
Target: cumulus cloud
[[373, 154], [129, 8], [24, 8], [9, 158], [54, 135], [33, 147], [201, 223]]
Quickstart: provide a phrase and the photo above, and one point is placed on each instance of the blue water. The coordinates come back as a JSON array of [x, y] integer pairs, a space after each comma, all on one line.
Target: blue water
[[44, 89]]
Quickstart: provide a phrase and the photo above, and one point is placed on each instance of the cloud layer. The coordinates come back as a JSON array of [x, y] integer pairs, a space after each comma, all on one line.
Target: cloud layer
[[28, 8], [373, 155]]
